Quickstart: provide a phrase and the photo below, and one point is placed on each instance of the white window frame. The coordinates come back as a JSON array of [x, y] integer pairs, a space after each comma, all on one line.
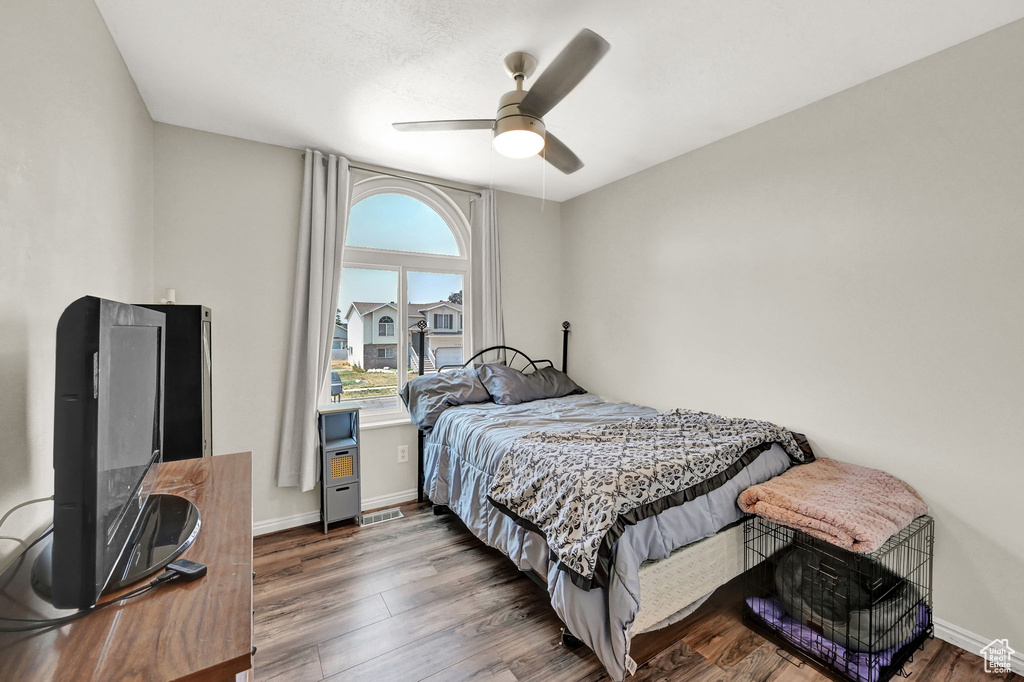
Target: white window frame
[[408, 261], [442, 316], [381, 323]]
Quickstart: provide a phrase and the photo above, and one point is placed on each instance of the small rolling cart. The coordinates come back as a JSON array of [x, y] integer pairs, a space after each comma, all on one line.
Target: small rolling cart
[[338, 426], [858, 617]]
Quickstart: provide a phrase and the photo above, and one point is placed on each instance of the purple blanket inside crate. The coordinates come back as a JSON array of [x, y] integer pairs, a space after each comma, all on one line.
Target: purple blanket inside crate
[[860, 666]]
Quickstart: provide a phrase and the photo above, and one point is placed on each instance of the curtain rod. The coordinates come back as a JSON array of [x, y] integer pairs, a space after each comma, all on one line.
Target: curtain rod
[[406, 177]]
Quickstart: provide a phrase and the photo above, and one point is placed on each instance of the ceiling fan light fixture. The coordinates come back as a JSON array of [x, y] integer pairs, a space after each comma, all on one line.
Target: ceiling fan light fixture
[[518, 137], [518, 129], [518, 144]]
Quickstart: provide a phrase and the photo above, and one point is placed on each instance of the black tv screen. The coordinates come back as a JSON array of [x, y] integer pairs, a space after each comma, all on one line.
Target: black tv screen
[[107, 439]]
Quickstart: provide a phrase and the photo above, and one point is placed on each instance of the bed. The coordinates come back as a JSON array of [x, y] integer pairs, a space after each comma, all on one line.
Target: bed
[[662, 567]]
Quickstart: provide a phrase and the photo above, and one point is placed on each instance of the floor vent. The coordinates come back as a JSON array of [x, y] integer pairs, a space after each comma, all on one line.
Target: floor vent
[[381, 516]]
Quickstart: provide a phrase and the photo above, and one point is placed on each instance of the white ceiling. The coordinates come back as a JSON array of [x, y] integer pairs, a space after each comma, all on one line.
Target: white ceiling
[[334, 74]]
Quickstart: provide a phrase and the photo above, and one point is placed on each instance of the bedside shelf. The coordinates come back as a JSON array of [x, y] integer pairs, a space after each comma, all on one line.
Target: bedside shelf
[[340, 444], [338, 428]]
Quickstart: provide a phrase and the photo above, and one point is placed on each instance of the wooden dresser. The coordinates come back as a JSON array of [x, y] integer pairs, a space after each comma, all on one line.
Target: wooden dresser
[[201, 630]]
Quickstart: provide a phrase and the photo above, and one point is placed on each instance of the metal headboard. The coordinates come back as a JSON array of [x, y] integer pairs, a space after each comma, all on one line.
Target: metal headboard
[[502, 353]]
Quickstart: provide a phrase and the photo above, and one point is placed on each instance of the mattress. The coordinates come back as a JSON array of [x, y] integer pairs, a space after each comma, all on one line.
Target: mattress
[[670, 587], [461, 456]]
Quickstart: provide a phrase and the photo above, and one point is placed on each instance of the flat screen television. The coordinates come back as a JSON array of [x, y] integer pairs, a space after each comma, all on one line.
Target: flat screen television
[[108, 530]]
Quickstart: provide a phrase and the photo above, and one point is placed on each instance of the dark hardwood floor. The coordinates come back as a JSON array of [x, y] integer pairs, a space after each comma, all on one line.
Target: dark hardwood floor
[[420, 598]]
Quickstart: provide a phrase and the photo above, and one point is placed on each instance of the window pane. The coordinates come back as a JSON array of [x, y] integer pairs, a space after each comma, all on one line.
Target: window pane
[[386, 326], [367, 368], [435, 298], [396, 222]]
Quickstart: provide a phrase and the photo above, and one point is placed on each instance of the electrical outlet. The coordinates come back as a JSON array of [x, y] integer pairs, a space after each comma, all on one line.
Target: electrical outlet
[[403, 453]]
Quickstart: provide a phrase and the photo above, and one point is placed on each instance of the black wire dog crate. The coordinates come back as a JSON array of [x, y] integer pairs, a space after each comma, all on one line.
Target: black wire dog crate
[[859, 617]]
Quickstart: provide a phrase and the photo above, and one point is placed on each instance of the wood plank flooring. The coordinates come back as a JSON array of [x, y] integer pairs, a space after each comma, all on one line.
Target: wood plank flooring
[[421, 599]]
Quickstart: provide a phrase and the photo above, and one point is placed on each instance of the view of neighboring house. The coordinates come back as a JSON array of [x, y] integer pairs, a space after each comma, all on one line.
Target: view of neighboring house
[[339, 347], [373, 334]]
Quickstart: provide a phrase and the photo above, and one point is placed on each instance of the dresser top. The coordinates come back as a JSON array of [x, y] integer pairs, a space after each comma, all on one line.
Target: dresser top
[[201, 629]]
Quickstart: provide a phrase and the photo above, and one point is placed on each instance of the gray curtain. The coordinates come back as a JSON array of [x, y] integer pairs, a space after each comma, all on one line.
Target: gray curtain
[[326, 190], [488, 323]]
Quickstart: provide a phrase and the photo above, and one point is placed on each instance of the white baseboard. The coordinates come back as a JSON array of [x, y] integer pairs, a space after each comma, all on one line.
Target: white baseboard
[[388, 500], [306, 518], [972, 642], [285, 522]]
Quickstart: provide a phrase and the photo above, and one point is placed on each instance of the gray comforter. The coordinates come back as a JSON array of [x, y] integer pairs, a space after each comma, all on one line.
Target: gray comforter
[[462, 455]]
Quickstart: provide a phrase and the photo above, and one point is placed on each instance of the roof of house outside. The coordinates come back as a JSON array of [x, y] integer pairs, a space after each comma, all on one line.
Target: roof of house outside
[[363, 307], [415, 309], [423, 307]]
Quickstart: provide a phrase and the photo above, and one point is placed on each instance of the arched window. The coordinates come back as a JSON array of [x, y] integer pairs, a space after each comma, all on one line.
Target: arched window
[[407, 248], [398, 222]]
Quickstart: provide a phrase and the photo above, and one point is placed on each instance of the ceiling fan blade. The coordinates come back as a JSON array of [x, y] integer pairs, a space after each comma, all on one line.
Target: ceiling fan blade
[[426, 126], [558, 155], [563, 74]]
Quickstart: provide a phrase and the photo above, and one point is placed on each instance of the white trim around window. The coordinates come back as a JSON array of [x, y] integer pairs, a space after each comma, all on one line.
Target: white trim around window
[[407, 261], [445, 321]]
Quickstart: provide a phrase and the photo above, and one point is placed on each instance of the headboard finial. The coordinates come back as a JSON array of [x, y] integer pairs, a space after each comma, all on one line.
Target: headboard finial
[[565, 346]]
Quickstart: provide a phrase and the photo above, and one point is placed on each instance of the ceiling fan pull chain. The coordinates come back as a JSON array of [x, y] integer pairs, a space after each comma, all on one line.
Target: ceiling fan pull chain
[[491, 169], [544, 178]]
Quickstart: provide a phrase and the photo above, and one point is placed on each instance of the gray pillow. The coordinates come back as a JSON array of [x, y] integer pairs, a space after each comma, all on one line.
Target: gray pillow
[[429, 395], [508, 386]]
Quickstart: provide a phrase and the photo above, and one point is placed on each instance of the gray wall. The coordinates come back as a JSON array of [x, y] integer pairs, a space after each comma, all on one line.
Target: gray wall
[[851, 270], [226, 225], [76, 217]]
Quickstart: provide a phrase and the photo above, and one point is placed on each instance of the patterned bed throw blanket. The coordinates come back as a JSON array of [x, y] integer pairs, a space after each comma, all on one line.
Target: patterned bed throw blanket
[[579, 489], [851, 506]]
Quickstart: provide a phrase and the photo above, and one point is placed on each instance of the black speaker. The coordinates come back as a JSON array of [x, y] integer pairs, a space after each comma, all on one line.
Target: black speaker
[[188, 395]]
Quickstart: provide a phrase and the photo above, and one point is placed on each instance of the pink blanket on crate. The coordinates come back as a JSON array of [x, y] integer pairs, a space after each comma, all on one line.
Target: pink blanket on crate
[[847, 505]]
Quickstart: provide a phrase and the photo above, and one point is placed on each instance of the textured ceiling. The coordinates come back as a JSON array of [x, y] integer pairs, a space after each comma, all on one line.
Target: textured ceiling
[[334, 74]]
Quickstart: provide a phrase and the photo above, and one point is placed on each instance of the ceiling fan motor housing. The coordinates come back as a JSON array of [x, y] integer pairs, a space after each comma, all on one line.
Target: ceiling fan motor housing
[[518, 132], [509, 116], [520, 65]]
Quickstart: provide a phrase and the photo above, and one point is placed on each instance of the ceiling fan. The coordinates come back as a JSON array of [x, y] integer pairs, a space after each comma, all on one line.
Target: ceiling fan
[[518, 128]]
